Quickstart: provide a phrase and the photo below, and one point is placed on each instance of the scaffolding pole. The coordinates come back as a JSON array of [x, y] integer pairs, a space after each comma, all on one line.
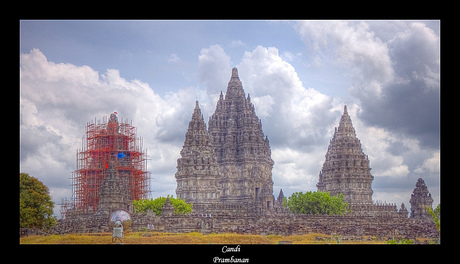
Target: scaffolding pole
[[102, 143]]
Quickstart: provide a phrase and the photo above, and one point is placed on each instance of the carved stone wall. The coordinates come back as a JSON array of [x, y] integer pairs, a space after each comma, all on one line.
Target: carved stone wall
[[237, 221], [290, 224]]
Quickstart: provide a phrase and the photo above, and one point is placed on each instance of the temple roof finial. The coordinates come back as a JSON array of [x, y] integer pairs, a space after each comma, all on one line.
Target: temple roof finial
[[197, 111], [235, 87], [234, 72]]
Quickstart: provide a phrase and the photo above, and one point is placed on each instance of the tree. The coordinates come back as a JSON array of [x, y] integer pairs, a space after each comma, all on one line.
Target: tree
[[437, 211], [156, 205], [35, 205], [436, 215], [316, 203]]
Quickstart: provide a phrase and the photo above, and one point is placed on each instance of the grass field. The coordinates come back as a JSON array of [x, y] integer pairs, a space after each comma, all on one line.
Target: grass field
[[187, 238]]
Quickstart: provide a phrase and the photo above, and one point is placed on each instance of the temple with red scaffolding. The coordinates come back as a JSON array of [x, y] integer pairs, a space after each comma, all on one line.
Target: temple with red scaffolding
[[111, 168]]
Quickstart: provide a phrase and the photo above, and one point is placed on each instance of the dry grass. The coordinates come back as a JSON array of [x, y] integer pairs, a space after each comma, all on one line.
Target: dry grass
[[187, 238]]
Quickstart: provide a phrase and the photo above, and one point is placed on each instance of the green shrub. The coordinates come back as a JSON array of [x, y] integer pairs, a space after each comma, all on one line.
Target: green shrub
[[316, 203], [156, 205]]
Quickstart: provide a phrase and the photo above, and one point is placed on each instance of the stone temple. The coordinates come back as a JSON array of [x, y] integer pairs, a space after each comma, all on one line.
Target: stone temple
[[346, 169], [198, 175], [225, 170], [419, 200], [230, 162]]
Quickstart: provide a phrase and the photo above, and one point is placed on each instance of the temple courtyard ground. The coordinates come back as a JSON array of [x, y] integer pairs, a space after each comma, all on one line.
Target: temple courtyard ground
[[199, 238]]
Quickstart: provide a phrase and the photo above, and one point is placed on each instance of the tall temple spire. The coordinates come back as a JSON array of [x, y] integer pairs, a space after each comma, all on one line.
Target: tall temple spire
[[197, 171], [242, 150], [197, 123], [346, 168]]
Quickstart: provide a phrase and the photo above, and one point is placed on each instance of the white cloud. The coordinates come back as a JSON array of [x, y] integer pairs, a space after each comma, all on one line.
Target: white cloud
[[430, 165], [289, 56], [264, 105], [173, 58], [416, 55], [396, 171], [28, 113], [397, 80], [296, 170], [236, 43], [351, 45], [306, 112], [213, 69], [35, 65]]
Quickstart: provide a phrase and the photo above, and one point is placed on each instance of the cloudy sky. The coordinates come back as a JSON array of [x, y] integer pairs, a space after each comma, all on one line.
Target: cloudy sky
[[299, 75]]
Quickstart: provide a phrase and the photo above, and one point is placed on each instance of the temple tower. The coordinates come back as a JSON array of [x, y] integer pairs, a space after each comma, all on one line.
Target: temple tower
[[346, 168], [419, 199], [197, 173], [243, 153], [114, 193], [112, 157]]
